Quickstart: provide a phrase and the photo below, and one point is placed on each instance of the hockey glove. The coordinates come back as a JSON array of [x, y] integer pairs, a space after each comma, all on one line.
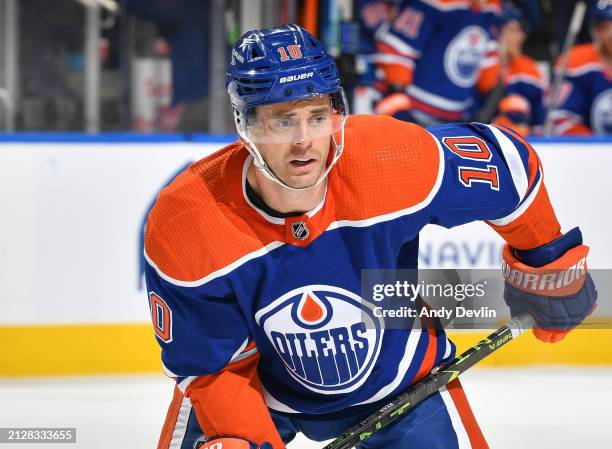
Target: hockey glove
[[552, 284], [233, 443]]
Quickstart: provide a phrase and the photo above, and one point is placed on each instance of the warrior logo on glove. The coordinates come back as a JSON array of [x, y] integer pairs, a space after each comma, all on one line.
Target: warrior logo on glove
[[552, 284]]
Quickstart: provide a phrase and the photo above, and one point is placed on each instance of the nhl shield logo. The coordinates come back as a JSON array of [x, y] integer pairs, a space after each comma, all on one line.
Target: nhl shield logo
[[327, 338], [300, 230]]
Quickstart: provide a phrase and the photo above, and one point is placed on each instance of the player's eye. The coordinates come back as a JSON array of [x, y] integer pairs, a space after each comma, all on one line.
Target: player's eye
[[281, 124], [319, 120]]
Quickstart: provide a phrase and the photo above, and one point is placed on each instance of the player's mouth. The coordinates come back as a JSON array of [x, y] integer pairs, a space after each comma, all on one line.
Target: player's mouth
[[302, 163]]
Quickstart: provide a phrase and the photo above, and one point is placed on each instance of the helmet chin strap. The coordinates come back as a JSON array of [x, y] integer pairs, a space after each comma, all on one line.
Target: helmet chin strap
[[260, 164]]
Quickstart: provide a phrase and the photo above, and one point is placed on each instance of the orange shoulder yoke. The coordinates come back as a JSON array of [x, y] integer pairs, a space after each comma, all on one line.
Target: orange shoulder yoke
[[581, 55], [201, 222], [194, 228], [522, 64], [388, 166]]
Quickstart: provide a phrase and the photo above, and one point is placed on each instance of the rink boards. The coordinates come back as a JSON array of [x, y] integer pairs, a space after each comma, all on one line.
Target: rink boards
[[73, 300]]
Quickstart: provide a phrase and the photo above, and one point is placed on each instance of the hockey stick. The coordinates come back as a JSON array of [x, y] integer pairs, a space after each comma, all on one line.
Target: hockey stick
[[404, 402], [574, 28]]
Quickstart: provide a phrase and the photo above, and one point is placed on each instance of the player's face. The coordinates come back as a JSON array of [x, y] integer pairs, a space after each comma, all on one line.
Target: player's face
[[294, 139], [512, 37], [603, 31]]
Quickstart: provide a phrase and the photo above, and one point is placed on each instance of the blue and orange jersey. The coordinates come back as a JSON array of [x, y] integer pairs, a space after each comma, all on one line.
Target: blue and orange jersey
[[523, 102], [268, 311], [585, 100], [445, 51]]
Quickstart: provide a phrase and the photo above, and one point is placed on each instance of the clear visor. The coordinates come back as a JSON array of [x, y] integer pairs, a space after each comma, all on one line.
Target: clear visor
[[294, 122]]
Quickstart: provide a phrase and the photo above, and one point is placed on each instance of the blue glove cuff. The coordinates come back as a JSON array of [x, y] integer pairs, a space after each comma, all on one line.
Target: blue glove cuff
[[545, 254]]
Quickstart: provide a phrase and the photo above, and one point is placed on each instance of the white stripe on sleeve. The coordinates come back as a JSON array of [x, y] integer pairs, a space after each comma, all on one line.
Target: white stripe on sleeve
[[514, 161], [519, 210]]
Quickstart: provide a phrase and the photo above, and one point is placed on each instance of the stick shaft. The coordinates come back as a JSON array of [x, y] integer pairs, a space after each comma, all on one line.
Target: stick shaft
[[559, 72], [404, 402]]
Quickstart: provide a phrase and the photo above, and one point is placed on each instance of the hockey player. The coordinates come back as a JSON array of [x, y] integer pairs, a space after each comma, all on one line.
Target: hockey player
[[254, 257], [522, 106], [445, 55], [585, 101]]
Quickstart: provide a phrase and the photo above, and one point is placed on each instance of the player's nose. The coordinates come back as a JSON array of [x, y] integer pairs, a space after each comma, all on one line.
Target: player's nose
[[302, 134]]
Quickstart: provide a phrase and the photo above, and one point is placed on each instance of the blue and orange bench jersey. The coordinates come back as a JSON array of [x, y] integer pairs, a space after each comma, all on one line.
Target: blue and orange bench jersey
[[250, 308], [445, 50], [585, 101]]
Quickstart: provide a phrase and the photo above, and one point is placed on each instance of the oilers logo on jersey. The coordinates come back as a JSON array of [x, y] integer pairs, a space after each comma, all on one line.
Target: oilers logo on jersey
[[601, 113], [327, 337], [463, 56]]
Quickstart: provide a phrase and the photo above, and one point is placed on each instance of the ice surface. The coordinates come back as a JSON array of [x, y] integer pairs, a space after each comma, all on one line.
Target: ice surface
[[543, 408]]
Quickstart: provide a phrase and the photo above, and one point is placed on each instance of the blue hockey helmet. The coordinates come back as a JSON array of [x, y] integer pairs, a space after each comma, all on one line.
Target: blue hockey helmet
[[277, 65], [510, 12], [601, 11]]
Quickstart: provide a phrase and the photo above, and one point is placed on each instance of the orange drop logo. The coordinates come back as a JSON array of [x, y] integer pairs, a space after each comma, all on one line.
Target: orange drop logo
[[310, 308]]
